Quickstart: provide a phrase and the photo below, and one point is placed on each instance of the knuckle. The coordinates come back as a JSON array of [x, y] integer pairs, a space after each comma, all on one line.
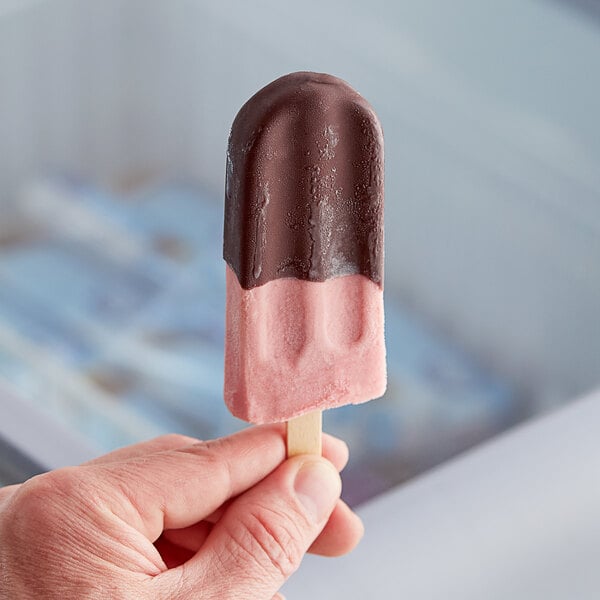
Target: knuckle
[[213, 460], [64, 483], [170, 440], [38, 490], [212, 449], [37, 503], [49, 490]]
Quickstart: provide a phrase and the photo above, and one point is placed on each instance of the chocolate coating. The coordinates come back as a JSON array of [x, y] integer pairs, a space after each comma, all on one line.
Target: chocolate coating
[[304, 184]]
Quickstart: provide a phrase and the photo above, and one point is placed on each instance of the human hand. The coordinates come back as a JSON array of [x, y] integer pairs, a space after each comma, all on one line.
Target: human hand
[[175, 518]]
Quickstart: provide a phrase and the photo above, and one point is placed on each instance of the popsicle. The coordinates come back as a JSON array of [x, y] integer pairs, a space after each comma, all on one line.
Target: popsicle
[[303, 243]]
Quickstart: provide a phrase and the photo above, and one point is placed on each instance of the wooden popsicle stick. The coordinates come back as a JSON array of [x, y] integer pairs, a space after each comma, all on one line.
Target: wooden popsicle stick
[[304, 434]]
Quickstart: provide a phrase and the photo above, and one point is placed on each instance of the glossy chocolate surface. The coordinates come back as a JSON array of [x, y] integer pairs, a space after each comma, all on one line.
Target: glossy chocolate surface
[[304, 184]]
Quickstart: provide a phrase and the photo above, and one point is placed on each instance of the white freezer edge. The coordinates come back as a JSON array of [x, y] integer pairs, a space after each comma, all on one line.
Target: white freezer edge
[[518, 518]]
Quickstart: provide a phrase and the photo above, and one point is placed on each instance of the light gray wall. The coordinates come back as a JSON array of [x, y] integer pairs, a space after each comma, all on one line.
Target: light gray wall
[[489, 112]]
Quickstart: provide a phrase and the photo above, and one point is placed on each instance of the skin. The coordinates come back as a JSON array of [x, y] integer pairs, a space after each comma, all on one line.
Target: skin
[[175, 518]]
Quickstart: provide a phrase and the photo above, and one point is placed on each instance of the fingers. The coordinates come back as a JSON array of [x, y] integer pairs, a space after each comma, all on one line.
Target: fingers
[[341, 534], [263, 535], [171, 441], [335, 451], [177, 488]]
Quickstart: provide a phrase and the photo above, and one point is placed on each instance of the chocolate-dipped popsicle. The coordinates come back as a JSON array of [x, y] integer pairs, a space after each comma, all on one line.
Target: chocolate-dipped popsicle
[[303, 242]]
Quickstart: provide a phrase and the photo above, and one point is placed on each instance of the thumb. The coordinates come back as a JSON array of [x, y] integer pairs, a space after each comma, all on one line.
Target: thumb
[[262, 537]]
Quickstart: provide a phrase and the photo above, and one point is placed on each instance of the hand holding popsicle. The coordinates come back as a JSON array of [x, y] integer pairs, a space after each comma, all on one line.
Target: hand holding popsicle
[[303, 242], [175, 518]]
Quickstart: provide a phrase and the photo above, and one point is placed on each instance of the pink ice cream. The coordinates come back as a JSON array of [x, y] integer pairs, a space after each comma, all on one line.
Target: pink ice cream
[[293, 346]]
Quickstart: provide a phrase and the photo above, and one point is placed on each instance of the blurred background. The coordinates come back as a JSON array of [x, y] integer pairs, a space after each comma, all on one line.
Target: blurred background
[[114, 117]]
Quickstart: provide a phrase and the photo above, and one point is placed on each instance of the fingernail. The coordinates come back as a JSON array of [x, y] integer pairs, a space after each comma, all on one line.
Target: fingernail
[[318, 486]]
